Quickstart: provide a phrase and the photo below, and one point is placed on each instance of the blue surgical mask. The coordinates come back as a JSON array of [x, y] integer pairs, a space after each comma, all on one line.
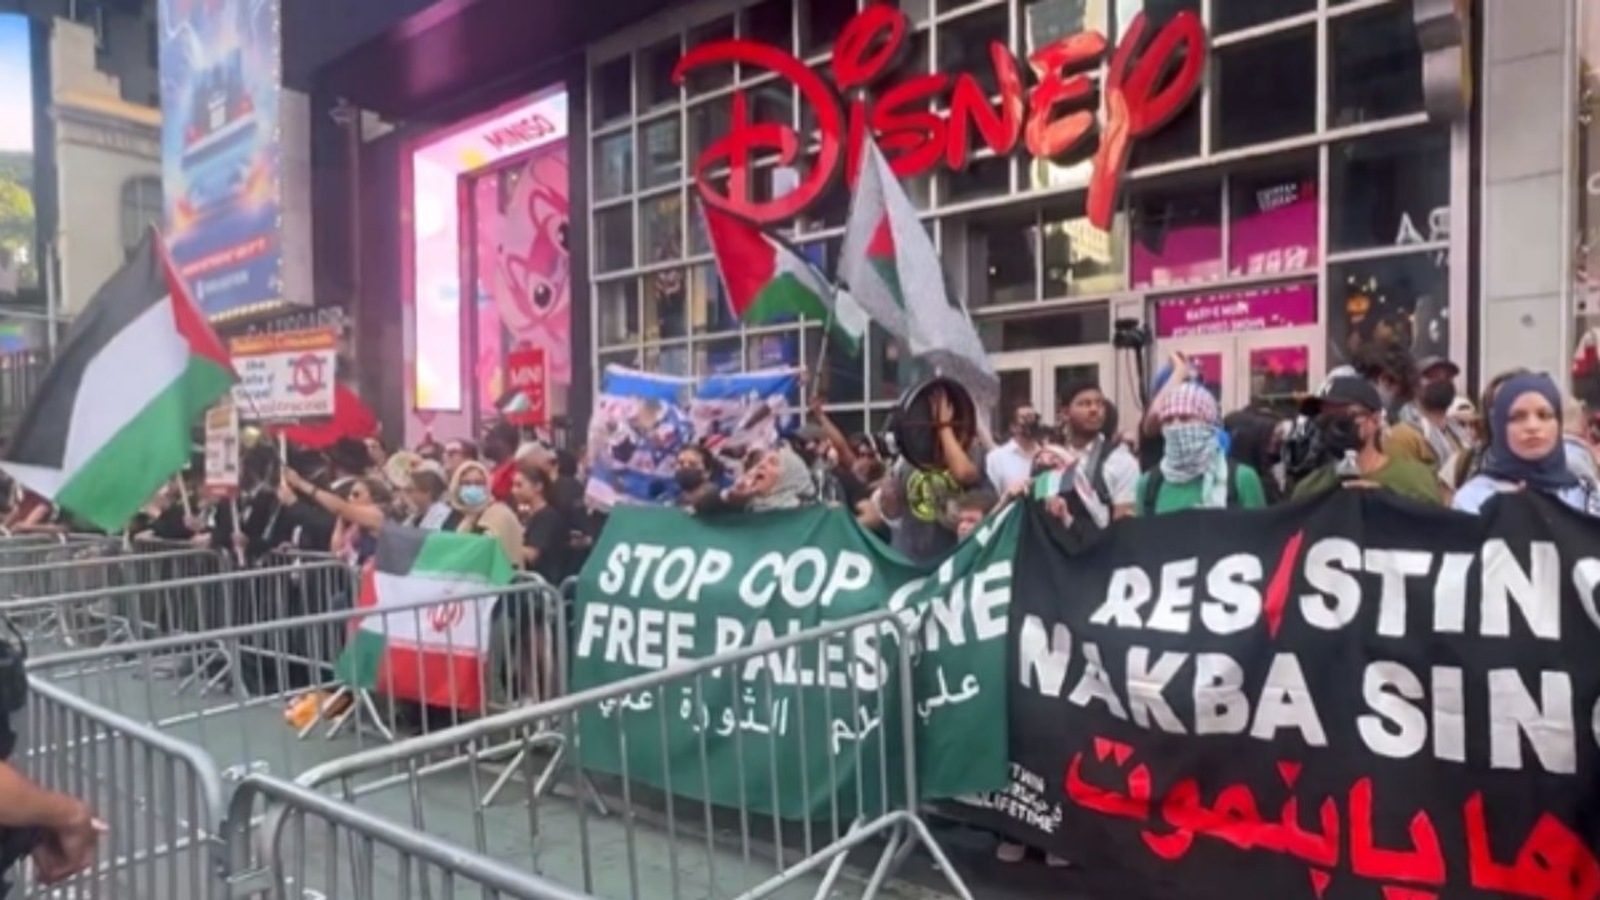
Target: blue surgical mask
[[474, 495]]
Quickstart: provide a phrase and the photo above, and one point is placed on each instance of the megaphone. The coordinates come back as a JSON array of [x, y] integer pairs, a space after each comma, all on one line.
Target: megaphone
[[913, 424]]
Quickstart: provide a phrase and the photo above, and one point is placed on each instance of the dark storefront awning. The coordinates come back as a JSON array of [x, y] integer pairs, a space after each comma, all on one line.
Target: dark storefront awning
[[431, 55]]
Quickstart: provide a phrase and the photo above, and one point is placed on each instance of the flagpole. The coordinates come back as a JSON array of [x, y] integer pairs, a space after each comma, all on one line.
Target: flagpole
[[822, 355]]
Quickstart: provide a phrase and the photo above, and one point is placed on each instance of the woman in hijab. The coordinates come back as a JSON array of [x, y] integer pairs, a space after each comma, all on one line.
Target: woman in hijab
[[777, 479], [480, 512], [1525, 450], [1194, 472]]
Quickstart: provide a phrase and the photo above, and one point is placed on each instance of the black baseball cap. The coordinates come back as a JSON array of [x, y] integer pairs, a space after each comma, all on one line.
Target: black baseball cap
[[1429, 363], [1344, 391]]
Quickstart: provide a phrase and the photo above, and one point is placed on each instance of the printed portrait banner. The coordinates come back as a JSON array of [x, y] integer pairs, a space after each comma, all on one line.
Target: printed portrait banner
[[795, 734], [642, 420], [221, 158], [1356, 698]]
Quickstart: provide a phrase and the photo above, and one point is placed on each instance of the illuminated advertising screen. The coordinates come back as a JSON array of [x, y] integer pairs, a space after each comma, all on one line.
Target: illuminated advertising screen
[[221, 159], [465, 317], [19, 263]]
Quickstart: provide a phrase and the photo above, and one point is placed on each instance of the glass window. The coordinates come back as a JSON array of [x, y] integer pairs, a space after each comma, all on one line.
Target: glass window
[[662, 159], [1087, 324], [708, 121], [617, 312], [655, 73], [1177, 236], [964, 45], [1376, 66], [613, 171], [711, 77], [661, 227], [844, 376], [665, 304], [718, 356], [613, 238], [612, 90], [1080, 259], [1393, 298], [709, 311], [981, 178], [670, 359], [1273, 217], [1266, 89], [1159, 11], [1237, 15], [1046, 21], [772, 349], [1384, 190], [629, 358], [141, 207], [821, 21], [886, 368], [768, 22], [1003, 258]]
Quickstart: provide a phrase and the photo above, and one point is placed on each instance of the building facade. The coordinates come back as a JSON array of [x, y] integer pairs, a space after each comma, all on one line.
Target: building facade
[[108, 165], [1302, 201]]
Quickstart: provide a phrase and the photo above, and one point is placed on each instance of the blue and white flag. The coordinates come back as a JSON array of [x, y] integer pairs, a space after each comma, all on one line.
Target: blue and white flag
[[642, 421]]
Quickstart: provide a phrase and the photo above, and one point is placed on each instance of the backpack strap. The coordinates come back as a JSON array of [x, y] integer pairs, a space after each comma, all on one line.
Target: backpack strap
[[1097, 473], [1152, 489]]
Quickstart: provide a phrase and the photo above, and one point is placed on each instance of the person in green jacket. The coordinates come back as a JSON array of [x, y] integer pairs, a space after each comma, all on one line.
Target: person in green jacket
[[1194, 472], [1349, 423]]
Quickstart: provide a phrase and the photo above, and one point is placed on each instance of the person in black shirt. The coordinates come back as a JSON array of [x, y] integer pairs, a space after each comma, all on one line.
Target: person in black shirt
[[545, 538]]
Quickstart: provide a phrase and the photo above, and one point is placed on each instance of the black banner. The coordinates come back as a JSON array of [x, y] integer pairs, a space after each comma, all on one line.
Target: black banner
[[1359, 697]]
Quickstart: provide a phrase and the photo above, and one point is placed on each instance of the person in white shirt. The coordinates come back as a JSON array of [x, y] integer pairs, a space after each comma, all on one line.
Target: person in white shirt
[[1011, 463], [1112, 469]]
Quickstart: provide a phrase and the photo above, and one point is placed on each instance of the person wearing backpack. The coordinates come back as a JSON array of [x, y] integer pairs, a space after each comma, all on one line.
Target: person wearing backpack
[[1194, 472]]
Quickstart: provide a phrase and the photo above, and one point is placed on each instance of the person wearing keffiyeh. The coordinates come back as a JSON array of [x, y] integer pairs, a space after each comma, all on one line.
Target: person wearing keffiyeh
[[1194, 472]]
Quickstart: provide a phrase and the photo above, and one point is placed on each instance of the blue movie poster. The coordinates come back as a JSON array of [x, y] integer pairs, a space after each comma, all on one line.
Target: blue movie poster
[[221, 163]]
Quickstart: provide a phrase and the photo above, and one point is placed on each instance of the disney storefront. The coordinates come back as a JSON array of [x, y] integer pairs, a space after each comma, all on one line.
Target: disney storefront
[[1280, 202]]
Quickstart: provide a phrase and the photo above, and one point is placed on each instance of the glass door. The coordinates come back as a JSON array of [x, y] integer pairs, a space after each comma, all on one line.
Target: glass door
[[1019, 383], [1214, 358], [1060, 369], [1277, 368]]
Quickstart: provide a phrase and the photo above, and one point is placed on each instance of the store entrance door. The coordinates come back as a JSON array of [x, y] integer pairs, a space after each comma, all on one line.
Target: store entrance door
[[1041, 377], [1260, 369]]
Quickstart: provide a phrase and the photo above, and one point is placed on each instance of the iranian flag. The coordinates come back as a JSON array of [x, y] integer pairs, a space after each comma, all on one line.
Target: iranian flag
[[434, 653], [767, 278], [111, 419]]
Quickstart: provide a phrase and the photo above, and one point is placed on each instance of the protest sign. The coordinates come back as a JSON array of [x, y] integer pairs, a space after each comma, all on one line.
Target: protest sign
[[222, 449], [642, 420], [285, 375], [1355, 697], [662, 587]]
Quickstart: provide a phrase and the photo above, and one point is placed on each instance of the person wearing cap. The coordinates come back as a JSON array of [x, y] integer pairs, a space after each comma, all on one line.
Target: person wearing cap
[[1389, 368], [1432, 409], [1348, 418]]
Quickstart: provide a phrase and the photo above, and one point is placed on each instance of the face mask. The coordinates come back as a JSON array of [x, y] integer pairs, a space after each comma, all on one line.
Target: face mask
[[474, 494], [689, 479], [1188, 443], [1438, 396], [1340, 434]]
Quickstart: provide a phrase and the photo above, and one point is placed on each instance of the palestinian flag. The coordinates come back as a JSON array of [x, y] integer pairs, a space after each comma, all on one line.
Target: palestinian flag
[[433, 653], [767, 279], [110, 422]]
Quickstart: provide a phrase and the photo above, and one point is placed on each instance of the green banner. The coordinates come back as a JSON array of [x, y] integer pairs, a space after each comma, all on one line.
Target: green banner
[[817, 730]]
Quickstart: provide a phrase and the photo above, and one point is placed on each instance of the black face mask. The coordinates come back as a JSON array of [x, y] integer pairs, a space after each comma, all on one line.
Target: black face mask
[[1339, 433], [1438, 396], [689, 479]]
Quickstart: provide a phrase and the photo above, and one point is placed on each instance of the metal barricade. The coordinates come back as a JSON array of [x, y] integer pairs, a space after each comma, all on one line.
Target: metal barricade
[[663, 845], [160, 797], [385, 860]]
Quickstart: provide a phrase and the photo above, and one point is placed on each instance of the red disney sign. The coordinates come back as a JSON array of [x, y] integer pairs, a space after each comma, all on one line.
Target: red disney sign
[[1150, 79]]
